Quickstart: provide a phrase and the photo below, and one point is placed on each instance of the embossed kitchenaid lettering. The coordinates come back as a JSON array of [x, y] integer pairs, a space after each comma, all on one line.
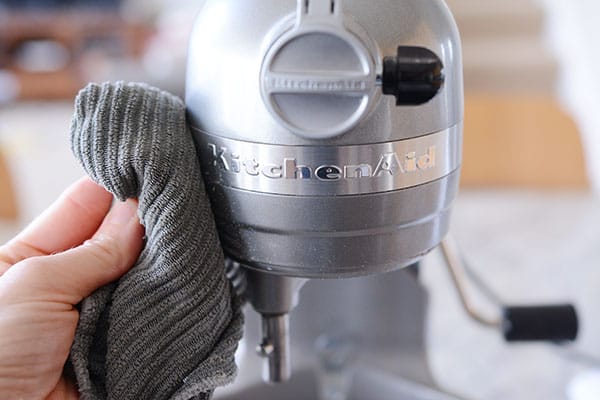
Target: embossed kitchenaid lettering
[[389, 164], [308, 84]]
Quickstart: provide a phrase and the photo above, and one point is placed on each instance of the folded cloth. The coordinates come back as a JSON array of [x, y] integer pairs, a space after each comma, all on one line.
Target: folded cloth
[[169, 328]]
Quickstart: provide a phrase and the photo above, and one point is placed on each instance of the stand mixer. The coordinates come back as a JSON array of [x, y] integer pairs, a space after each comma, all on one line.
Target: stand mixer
[[329, 133]]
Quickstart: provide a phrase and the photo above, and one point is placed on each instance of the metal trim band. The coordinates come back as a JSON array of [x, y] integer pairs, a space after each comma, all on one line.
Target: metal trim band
[[329, 170]]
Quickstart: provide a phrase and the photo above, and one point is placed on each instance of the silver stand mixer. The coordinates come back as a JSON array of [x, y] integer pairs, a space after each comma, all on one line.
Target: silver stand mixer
[[329, 133]]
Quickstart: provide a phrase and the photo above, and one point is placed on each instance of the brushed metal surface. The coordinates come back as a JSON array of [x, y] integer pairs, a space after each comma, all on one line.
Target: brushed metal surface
[[231, 38], [311, 171], [329, 170], [336, 236]]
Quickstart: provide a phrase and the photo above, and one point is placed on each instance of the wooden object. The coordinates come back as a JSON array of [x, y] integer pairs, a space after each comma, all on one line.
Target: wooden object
[[491, 18], [520, 141], [8, 203], [516, 134], [503, 46], [79, 31], [509, 65]]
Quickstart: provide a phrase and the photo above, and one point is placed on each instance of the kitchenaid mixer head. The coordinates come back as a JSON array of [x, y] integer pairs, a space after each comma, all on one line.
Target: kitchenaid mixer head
[[329, 134]]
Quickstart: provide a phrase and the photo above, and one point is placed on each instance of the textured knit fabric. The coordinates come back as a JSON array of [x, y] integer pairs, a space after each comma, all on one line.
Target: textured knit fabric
[[169, 328]]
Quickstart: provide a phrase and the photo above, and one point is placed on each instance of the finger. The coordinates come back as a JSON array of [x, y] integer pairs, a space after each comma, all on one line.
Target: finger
[[72, 219], [70, 276]]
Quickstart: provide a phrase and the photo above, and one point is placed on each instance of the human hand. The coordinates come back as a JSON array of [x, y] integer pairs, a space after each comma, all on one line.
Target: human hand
[[72, 249]]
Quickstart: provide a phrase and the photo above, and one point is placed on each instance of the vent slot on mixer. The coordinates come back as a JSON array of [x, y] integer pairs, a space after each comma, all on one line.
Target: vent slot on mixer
[[319, 6]]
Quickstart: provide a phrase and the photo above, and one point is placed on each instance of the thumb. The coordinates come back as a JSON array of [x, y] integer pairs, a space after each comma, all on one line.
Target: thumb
[[70, 276]]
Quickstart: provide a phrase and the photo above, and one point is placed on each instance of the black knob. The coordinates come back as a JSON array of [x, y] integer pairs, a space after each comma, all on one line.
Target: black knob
[[414, 76], [556, 323]]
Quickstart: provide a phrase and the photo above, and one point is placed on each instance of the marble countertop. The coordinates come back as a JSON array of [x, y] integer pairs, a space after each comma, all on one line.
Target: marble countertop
[[529, 248]]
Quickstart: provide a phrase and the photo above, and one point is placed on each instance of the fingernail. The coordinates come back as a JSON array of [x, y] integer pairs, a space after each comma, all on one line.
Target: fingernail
[[122, 212]]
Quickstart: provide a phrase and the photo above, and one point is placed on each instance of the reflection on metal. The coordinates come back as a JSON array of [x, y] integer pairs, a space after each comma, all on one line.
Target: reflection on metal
[[458, 272], [275, 348], [329, 170]]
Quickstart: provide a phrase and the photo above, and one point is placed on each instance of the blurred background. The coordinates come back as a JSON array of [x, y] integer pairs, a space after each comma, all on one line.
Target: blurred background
[[528, 217]]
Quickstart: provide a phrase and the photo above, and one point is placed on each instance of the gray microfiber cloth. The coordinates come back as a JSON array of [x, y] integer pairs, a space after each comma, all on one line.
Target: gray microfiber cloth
[[169, 328]]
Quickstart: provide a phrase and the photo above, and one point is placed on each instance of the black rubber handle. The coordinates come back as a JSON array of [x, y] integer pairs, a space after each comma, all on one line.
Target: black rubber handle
[[414, 76], [556, 323]]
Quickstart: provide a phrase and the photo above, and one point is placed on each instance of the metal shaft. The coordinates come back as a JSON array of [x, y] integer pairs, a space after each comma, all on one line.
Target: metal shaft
[[275, 348], [458, 273]]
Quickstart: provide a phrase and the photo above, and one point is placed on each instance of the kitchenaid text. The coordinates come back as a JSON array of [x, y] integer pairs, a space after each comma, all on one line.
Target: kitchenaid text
[[388, 164]]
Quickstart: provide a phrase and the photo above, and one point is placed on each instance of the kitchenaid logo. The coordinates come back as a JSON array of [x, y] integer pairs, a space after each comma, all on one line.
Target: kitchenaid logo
[[307, 84], [389, 164]]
